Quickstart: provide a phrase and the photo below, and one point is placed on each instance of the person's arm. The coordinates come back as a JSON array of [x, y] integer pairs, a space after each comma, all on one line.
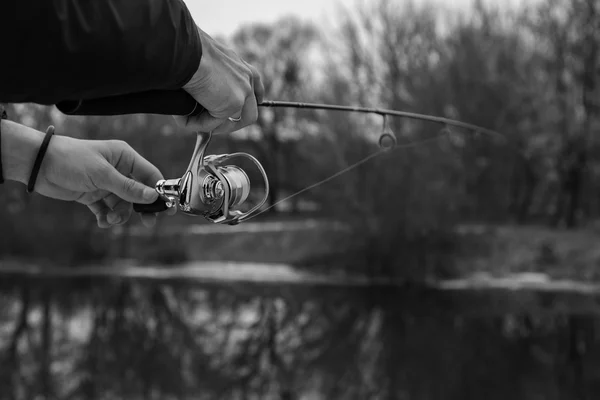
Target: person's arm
[[70, 50], [59, 50], [108, 176], [19, 149]]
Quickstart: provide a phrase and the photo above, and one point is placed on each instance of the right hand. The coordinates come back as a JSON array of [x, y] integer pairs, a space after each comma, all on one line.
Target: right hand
[[226, 86]]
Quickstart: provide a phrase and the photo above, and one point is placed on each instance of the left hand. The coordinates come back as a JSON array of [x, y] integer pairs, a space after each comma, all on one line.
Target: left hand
[[108, 176]]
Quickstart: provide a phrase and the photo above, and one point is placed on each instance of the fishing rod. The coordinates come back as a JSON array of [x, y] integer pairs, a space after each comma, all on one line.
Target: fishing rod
[[212, 188]]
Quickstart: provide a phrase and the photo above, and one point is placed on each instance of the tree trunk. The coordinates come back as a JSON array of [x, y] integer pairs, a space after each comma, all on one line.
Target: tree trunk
[[45, 374], [575, 358], [561, 93], [575, 188], [20, 329], [522, 189], [590, 55]]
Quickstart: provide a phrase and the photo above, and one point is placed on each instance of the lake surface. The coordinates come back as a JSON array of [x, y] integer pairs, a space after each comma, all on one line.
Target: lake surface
[[121, 338]]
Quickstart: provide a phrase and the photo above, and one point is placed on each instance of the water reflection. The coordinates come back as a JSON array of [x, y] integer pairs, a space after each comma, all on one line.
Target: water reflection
[[143, 340]]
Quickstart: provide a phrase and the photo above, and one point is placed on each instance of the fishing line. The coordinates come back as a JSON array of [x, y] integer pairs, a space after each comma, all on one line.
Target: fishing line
[[386, 134], [347, 169]]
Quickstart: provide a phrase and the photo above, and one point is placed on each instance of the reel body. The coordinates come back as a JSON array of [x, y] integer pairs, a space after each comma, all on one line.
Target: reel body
[[209, 188]]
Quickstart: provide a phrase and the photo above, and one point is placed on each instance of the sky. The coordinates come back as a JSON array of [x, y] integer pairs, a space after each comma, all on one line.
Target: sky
[[223, 17]]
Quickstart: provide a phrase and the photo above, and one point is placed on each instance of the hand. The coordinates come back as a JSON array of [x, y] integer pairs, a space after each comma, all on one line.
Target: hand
[[105, 175], [226, 86]]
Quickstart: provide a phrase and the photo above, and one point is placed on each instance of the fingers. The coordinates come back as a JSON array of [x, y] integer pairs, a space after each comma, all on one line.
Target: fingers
[[226, 86], [148, 220], [120, 210], [249, 114], [127, 188], [100, 210], [259, 88], [207, 123], [112, 210], [132, 177], [140, 170], [132, 164]]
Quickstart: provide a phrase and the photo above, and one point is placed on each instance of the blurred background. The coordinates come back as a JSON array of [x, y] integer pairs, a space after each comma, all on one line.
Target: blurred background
[[457, 268]]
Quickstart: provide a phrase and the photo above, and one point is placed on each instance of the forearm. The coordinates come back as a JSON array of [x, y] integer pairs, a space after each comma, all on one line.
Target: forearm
[[19, 149], [80, 49]]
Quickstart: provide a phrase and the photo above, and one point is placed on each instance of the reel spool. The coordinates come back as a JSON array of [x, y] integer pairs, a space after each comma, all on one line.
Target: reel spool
[[208, 188]]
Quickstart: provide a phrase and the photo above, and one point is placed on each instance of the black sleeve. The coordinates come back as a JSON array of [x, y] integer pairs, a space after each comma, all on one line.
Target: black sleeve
[[56, 50]]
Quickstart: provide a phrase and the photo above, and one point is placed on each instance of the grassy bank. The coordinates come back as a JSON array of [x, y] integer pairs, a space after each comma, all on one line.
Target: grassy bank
[[504, 250], [497, 251]]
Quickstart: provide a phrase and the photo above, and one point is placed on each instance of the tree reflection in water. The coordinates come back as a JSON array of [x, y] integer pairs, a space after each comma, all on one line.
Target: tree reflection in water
[[141, 340]]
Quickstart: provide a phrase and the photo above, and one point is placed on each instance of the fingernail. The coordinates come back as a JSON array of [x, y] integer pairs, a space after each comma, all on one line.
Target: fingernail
[[148, 223], [114, 218]]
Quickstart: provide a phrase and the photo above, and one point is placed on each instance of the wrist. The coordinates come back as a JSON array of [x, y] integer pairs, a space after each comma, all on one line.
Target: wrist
[[20, 145]]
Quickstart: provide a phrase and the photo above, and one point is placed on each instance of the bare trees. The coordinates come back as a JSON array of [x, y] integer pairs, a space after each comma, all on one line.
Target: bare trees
[[566, 40]]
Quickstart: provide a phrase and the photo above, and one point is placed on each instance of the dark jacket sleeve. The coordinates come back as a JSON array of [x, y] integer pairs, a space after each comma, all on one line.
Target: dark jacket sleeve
[[56, 50]]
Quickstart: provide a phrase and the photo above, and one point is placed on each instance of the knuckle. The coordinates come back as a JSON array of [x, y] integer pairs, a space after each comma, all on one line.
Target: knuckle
[[120, 144], [248, 87], [255, 74], [105, 169], [236, 104]]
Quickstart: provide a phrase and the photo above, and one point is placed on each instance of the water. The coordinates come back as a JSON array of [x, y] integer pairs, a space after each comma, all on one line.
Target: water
[[113, 338]]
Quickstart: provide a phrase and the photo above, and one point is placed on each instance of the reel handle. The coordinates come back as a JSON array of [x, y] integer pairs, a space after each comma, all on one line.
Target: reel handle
[[159, 205]]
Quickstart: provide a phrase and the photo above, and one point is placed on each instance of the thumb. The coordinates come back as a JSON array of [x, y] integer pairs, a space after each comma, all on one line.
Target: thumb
[[127, 188]]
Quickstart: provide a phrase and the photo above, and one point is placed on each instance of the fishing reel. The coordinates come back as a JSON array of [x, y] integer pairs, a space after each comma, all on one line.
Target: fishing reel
[[209, 187]]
